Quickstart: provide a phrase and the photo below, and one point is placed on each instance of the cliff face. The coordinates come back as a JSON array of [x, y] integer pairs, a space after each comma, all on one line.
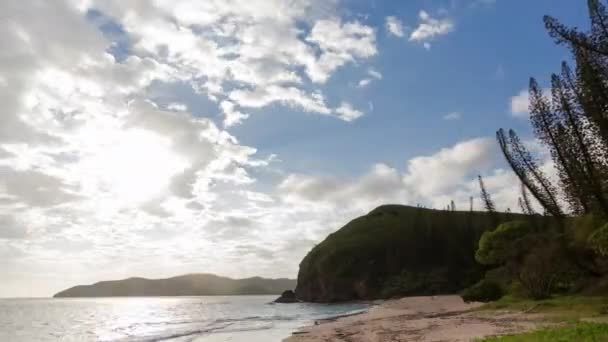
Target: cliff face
[[186, 285], [396, 251]]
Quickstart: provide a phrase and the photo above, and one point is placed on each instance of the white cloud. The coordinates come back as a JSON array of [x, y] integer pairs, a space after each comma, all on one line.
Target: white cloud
[[452, 116], [373, 75], [364, 82], [394, 26], [178, 107], [340, 43], [431, 180], [430, 27], [432, 175], [520, 103], [231, 115], [347, 113], [290, 96], [216, 43]]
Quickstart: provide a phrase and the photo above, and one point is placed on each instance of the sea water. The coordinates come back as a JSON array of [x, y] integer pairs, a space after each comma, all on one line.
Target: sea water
[[174, 319]]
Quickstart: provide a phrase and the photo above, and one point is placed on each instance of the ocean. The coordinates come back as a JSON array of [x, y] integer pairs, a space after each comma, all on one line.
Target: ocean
[[173, 319]]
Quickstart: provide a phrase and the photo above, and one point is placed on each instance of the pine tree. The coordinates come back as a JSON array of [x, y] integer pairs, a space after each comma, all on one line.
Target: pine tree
[[596, 41], [526, 201], [550, 130], [581, 152], [528, 172], [485, 197]]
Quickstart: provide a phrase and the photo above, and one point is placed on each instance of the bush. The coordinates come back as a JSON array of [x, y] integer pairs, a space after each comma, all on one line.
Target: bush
[[484, 291], [421, 283], [545, 270], [598, 241], [507, 242]]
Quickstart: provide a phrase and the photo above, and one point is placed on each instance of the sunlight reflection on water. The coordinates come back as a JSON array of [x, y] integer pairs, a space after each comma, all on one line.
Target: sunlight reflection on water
[[177, 319]]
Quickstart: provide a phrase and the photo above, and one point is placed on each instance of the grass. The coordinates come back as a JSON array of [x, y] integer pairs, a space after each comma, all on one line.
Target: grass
[[582, 318], [580, 332], [560, 309]]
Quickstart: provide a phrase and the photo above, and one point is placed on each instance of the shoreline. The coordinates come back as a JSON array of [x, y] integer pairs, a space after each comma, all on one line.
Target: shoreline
[[428, 318]]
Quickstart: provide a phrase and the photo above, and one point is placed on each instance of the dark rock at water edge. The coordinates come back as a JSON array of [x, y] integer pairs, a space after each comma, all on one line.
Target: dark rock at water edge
[[287, 297]]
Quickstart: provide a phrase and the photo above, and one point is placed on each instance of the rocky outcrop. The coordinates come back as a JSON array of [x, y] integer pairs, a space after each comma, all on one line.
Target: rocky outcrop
[[287, 297]]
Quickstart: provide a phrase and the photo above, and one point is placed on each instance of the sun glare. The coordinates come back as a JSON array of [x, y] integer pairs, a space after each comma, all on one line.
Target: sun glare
[[135, 166]]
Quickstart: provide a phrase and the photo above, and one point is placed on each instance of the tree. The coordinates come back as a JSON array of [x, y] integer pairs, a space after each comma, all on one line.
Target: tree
[[485, 197], [580, 107], [550, 130], [524, 202], [594, 42], [528, 172]]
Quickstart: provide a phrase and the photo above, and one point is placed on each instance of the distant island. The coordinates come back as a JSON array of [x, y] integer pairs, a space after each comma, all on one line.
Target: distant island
[[184, 285]]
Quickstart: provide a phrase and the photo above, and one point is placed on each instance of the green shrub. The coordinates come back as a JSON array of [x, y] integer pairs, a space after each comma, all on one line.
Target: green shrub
[[484, 291], [598, 241], [579, 228], [505, 243], [541, 270]]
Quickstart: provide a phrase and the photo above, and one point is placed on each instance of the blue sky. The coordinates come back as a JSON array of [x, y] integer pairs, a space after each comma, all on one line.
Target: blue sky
[[474, 71], [163, 137]]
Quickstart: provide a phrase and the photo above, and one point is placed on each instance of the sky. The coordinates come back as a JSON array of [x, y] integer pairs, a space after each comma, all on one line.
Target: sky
[[163, 137]]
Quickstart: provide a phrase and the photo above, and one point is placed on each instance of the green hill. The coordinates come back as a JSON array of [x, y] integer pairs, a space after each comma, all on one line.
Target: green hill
[[185, 285], [397, 250]]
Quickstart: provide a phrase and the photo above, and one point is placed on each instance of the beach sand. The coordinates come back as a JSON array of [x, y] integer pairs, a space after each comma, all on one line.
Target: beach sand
[[436, 318]]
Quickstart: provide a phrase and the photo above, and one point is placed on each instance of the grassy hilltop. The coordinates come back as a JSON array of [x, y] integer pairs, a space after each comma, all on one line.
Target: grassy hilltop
[[397, 250]]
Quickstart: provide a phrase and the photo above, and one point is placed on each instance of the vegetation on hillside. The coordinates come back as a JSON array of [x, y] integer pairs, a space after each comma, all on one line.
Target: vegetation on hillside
[[572, 123], [395, 251]]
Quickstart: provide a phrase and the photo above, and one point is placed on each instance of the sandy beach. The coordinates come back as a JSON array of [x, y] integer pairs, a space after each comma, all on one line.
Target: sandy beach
[[437, 318]]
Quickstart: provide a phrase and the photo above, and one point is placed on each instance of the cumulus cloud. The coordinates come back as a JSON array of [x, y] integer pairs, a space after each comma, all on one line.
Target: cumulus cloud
[[340, 43], [231, 115], [430, 180], [394, 26], [255, 44], [430, 28]]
